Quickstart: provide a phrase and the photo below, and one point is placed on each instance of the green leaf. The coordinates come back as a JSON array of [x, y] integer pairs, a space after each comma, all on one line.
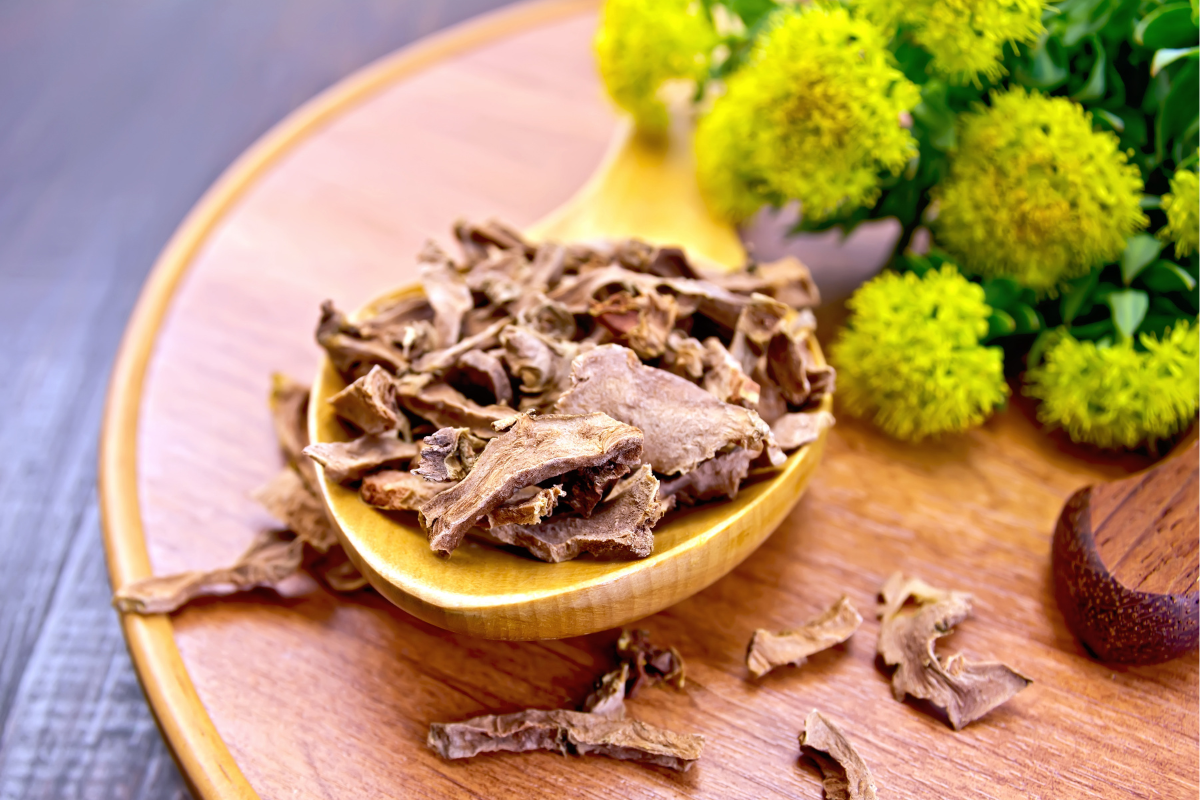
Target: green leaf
[[751, 11], [1092, 330], [1001, 292], [1129, 308], [1140, 250], [1170, 55], [1179, 110], [1093, 88], [1150, 202], [1074, 298], [1111, 119], [1167, 26], [934, 115], [1038, 348], [1167, 276], [1000, 324], [1044, 72], [1026, 318]]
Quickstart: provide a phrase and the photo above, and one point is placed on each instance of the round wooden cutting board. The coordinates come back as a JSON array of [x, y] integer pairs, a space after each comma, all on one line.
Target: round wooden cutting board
[[306, 694]]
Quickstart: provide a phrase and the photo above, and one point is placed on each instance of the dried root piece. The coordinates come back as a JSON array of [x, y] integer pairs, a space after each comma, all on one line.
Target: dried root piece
[[398, 490], [486, 371], [683, 424], [844, 774], [287, 499], [796, 430], [649, 662], [608, 698], [724, 377], [447, 293], [564, 732], [347, 462], [446, 407], [527, 507], [289, 416], [792, 364], [532, 451], [267, 563], [352, 352], [449, 454], [370, 403], [720, 476], [770, 650], [907, 636], [618, 529]]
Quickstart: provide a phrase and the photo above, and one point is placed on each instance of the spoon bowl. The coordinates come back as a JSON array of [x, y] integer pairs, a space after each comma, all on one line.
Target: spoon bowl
[[644, 188]]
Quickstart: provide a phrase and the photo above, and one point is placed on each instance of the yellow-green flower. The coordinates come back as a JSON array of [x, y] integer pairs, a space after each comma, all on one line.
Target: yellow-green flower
[[1183, 217], [965, 37], [1117, 396], [1035, 194], [642, 44], [909, 356], [814, 116]]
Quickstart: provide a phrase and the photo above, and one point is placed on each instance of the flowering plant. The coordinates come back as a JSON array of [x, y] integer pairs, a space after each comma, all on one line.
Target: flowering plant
[[1050, 151]]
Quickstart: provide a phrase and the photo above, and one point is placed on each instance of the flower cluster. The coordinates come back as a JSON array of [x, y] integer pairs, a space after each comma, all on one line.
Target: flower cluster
[[966, 38], [814, 116], [1183, 212], [1035, 194], [909, 356], [1118, 396], [642, 45]]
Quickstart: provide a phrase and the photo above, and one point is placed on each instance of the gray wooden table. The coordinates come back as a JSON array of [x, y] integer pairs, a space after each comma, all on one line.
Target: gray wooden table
[[114, 118]]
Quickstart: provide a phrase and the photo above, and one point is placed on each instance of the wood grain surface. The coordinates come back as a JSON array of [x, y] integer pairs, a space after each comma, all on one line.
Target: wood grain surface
[[114, 119], [321, 696]]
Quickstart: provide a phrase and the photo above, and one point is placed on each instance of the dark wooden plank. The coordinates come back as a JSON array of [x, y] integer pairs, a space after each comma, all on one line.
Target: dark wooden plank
[[114, 118]]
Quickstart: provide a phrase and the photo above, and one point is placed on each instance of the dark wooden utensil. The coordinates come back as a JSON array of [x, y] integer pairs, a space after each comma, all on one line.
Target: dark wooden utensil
[[1126, 562]]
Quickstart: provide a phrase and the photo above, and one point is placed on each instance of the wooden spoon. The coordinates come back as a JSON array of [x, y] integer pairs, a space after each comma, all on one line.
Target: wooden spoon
[[643, 188]]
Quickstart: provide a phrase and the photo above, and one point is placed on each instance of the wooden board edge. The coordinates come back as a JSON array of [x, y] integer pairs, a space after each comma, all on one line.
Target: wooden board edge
[[202, 756]]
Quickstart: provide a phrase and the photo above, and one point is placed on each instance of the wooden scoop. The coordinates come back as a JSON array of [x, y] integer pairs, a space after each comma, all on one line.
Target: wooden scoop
[[1126, 563], [643, 188]]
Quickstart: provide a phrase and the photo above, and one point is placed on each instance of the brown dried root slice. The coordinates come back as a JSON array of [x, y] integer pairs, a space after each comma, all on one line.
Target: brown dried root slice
[[449, 454], [907, 636], [620, 528], [347, 462], [352, 353], [608, 698], [267, 563], [720, 476], [289, 416], [792, 364], [844, 774], [486, 371], [445, 358], [649, 662], [801, 428], [337, 571], [684, 356], [446, 292], [683, 424], [400, 322], [398, 490], [446, 407], [787, 280], [643, 322], [541, 363], [371, 404], [287, 499], [724, 377], [475, 239], [532, 451], [529, 506], [770, 650], [564, 732]]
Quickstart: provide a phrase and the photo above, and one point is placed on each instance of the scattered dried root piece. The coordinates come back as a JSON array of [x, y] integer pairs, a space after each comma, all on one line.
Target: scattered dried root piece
[[565, 732], [269, 561], [796, 430], [449, 454], [769, 650], [531, 451], [289, 416], [370, 403], [287, 499], [907, 636], [621, 528], [844, 774], [347, 462], [649, 662], [608, 698]]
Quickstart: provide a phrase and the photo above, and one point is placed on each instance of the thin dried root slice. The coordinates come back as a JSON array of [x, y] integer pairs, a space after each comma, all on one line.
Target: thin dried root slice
[[531, 451], [720, 476], [268, 562], [621, 528], [289, 416], [449, 454], [287, 499], [564, 731], [907, 637], [650, 663], [793, 431], [370, 403], [347, 462], [844, 774], [398, 490], [833, 626], [529, 506], [608, 698]]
